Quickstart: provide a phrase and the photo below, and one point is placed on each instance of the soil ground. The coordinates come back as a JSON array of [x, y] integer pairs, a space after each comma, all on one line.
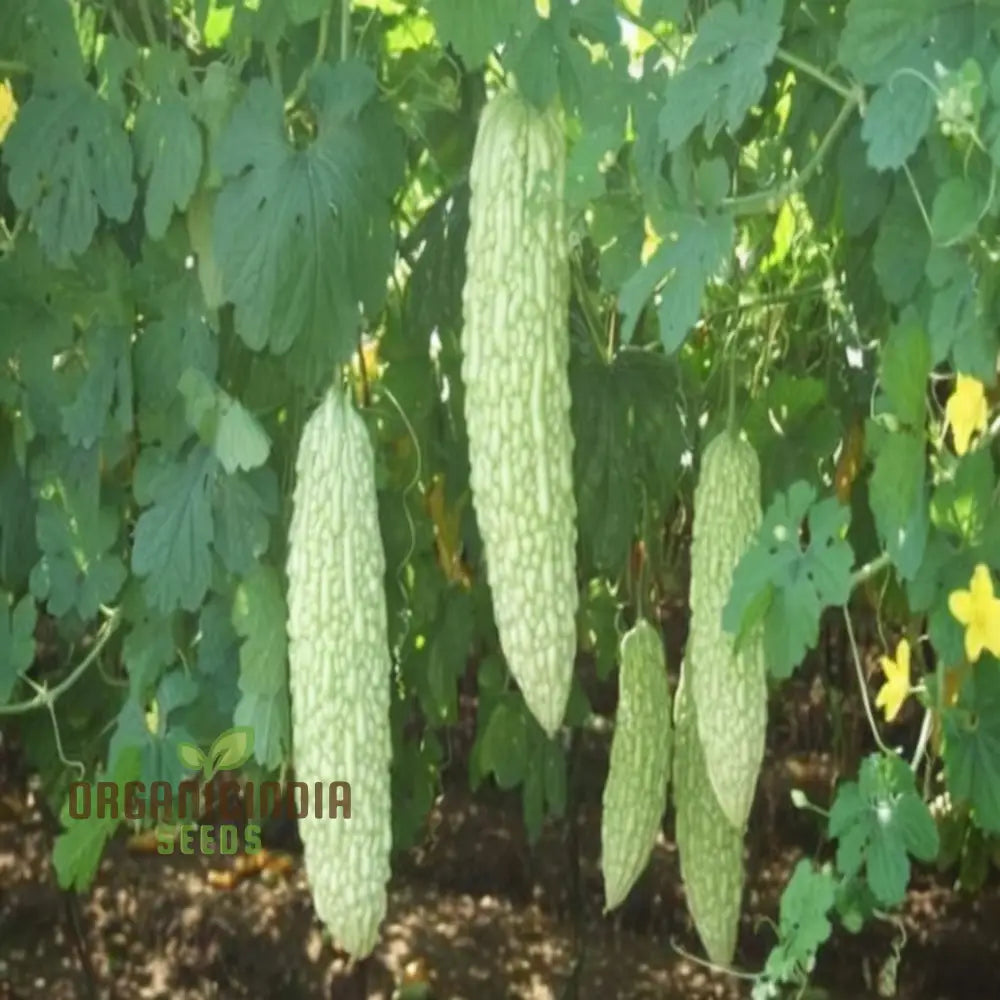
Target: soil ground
[[486, 917], [484, 914]]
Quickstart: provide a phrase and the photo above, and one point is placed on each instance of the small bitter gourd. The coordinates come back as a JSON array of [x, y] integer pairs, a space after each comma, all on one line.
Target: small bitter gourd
[[340, 670], [729, 689], [710, 847], [515, 343], [635, 792]]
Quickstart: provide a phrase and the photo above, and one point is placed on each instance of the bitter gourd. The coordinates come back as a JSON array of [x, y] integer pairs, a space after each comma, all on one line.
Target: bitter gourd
[[515, 343], [710, 847], [729, 689], [340, 670], [635, 793]]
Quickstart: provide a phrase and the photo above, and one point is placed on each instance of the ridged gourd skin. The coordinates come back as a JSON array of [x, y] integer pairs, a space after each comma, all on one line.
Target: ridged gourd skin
[[515, 344], [710, 847], [635, 793], [340, 670], [729, 691]]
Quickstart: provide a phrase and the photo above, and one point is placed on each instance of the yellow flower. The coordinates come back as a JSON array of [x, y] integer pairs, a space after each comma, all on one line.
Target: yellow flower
[[651, 241], [979, 611], [897, 681], [966, 411], [8, 108]]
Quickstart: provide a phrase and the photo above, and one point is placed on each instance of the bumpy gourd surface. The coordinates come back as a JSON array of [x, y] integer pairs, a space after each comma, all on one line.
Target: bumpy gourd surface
[[729, 691], [339, 670], [710, 847], [635, 793], [515, 346]]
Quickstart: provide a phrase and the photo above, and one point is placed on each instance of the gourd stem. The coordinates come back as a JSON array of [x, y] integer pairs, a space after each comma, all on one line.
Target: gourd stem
[[323, 38], [345, 30], [923, 739], [731, 419], [366, 394], [862, 684], [47, 697]]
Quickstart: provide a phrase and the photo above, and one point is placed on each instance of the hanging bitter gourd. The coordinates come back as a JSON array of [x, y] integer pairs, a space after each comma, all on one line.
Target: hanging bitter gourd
[[515, 344], [710, 847], [340, 670], [729, 689], [635, 793]]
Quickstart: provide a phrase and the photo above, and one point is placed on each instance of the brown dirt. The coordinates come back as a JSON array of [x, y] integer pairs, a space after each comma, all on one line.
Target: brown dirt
[[488, 917]]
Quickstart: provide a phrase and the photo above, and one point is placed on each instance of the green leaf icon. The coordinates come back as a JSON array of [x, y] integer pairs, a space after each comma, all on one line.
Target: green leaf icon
[[232, 749], [191, 756]]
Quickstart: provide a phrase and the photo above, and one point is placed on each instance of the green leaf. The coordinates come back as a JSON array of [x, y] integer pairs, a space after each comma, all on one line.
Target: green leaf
[[415, 784], [148, 648], [906, 364], [804, 926], [847, 809], [533, 802], [241, 506], [896, 120], [43, 32], [955, 213], [626, 438], [599, 610], [695, 249], [901, 248], [105, 395], [672, 11], [173, 536], [955, 312], [259, 615], [618, 228], [800, 582], [887, 868], [855, 904], [883, 36], [78, 849], [18, 548], [898, 498], [878, 821], [962, 504], [863, 191], [790, 424], [474, 27], [235, 435], [604, 465], [303, 11], [592, 18], [176, 689], [168, 155], [917, 828], [78, 568], [723, 75], [972, 744], [240, 441], [504, 749], [17, 641], [69, 158], [534, 59], [585, 179], [302, 235], [554, 774], [178, 340], [268, 715]]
